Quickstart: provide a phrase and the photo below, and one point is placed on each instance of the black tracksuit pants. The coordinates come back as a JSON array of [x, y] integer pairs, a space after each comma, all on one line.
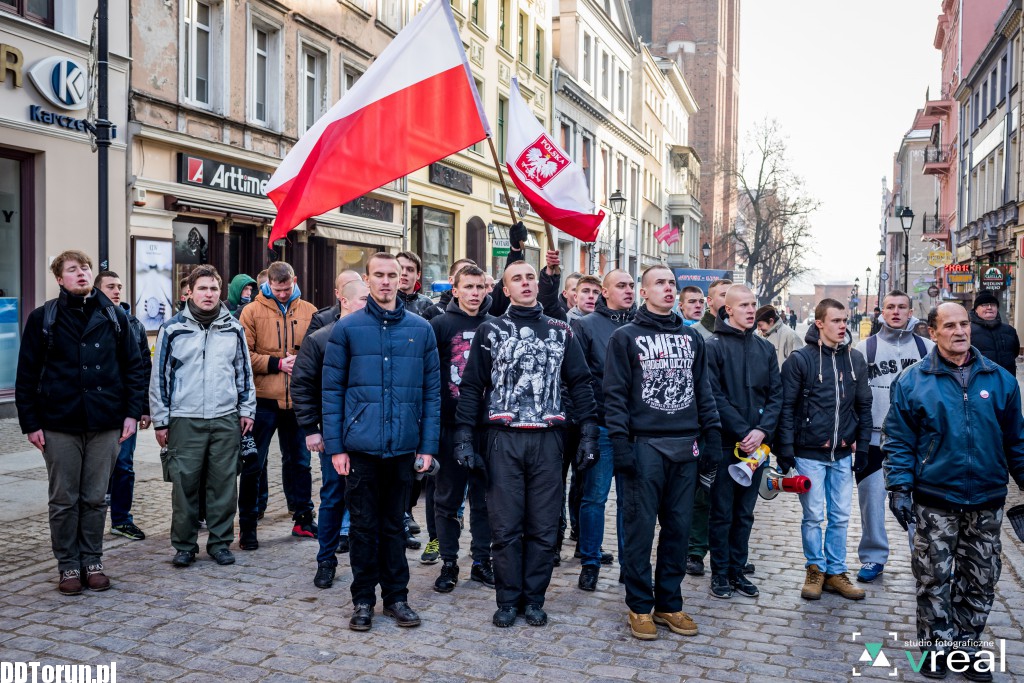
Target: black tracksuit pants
[[732, 517], [377, 493], [575, 496], [661, 491], [524, 469], [449, 490]]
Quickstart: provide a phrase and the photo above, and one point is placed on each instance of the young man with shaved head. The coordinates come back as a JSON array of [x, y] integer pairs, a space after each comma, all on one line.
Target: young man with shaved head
[[512, 387], [745, 379], [614, 309], [691, 305], [657, 403], [330, 314]]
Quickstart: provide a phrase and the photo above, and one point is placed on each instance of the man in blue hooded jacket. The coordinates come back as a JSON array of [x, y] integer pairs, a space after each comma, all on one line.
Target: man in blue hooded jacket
[[381, 419], [952, 435]]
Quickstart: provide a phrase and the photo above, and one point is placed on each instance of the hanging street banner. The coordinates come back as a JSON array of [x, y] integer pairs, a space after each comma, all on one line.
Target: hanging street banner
[[699, 277]]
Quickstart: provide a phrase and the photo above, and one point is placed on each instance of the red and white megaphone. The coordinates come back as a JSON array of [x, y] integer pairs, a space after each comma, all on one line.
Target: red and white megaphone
[[774, 482]]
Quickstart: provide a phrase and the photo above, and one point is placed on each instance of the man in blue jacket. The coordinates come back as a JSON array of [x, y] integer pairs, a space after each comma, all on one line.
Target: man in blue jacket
[[381, 415], [952, 434]]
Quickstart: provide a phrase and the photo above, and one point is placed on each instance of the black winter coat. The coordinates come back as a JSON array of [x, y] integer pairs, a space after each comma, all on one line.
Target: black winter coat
[[549, 296], [324, 317], [594, 331], [307, 379], [826, 402], [416, 303], [996, 340], [454, 332], [93, 380], [745, 380], [139, 330]]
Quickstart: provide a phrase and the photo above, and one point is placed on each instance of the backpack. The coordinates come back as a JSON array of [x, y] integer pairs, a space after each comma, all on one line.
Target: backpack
[[50, 317], [872, 347]]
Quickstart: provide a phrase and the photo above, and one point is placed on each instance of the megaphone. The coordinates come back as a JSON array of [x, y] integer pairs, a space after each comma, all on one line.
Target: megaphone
[[742, 472], [773, 482]]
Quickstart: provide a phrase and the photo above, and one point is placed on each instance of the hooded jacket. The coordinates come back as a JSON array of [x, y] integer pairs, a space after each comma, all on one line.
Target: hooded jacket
[[953, 434], [783, 339], [594, 331], [454, 332], [381, 384], [91, 379], [518, 364], [996, 340], [273, 331], [826, 401], [895, 350], [238, 283], [201, 372], [745, 381], [416, 303], [656, 380]]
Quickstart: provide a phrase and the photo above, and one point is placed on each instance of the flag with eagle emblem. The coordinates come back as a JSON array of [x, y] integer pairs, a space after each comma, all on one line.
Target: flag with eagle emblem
[[555, 186]]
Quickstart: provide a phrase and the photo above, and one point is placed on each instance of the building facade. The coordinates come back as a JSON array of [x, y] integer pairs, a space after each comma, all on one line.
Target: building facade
[[48, 171]]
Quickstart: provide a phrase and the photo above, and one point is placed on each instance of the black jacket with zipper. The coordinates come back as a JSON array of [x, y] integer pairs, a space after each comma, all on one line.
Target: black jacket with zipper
[[826, 402], [454, 332], [745, 380], [996, 340], [307, 379], [594, 331]]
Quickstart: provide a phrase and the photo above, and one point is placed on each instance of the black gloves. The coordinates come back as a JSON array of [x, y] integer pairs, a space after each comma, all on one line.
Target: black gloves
[[710, 456], [588, 453], [901, 503], [860, 461], [785, 462], [465, 455], [517, 235], [624, 457]]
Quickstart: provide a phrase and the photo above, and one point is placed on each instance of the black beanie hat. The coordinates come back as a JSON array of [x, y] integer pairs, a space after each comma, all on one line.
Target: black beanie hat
[[985, 297], [766, 313]]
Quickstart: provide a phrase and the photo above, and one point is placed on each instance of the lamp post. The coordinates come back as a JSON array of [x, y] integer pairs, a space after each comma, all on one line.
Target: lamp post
[[853, 295], [867, 289], [906, 222], [706, 250], [618, 204], [881, 272]]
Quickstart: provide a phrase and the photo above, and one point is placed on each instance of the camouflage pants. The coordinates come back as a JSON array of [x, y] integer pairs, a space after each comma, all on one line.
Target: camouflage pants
[[956, 562]]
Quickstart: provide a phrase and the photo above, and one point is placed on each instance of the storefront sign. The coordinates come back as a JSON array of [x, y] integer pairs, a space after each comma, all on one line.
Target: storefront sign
[[217, 175], [369, 207], [500, 247], [939, 257], [453, 179], [959, 274], [933, 291], [37, 114], [62, 81], [11, 60], [993, 277], [686, 277]]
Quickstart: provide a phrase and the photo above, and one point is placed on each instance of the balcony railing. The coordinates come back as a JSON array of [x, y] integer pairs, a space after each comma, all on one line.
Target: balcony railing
[[935, 155]]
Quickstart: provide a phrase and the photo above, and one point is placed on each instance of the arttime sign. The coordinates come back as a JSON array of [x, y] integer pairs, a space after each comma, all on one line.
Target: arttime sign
[[217, 175]]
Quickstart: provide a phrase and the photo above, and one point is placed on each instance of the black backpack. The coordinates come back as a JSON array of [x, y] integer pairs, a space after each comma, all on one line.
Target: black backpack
[[50, 317], [872, 347]]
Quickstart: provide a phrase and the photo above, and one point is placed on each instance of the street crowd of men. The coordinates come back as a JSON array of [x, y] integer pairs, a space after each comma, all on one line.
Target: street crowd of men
[[494, 394]]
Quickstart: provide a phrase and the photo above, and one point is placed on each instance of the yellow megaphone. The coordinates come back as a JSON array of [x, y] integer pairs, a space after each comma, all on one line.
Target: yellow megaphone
[[742, 472]]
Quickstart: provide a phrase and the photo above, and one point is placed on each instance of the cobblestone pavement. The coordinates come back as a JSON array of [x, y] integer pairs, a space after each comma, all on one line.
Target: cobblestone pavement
[[263, 620]]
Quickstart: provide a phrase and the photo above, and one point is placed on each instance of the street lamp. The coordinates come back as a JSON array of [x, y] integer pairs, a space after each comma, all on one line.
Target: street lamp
[[618, 204], [867, 289], [706, 250], [854, 293], [881, 272], [906, 222]]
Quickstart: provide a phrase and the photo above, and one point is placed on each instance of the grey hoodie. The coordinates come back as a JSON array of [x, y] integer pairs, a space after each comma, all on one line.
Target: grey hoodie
[[896, 350]]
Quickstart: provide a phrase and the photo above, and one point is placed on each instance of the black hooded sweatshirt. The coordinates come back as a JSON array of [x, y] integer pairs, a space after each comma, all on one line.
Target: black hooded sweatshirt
[[745, 380], [517, 364], [593, 332], [454, 331], [656, 380]]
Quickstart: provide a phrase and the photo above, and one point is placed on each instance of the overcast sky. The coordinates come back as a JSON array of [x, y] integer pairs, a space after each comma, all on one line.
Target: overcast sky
[[844, 81]]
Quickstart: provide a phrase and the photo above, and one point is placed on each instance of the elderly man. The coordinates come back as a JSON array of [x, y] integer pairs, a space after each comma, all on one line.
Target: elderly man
[[952, 435]]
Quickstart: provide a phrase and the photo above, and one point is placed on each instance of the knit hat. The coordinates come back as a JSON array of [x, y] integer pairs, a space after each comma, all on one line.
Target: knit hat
[[985, 297], [766, 313]]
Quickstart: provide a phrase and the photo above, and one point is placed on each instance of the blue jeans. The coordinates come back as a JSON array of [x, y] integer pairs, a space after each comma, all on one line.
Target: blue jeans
[[121, 488], [597, 482], [332, 510], [831, 495]]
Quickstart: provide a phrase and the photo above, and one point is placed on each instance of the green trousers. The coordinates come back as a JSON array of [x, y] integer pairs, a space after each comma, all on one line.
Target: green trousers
[[197, 447], [699, 524]]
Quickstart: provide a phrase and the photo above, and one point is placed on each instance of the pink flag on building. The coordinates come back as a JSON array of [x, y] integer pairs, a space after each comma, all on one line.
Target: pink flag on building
[[661, 233], [416, 104], [555, 187], [672, 238]]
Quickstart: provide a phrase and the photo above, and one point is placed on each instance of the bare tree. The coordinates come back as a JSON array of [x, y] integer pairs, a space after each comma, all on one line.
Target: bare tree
[[772, 232]]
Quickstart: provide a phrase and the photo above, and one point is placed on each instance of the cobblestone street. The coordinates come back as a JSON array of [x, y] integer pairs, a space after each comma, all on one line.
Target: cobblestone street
[[263, 620]]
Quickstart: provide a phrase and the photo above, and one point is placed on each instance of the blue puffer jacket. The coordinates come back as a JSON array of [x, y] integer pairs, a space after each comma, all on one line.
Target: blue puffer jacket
[[381, 384], [953, 446]]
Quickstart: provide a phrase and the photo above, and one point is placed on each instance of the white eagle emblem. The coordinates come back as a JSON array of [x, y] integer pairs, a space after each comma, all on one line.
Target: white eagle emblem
[[541, 161]]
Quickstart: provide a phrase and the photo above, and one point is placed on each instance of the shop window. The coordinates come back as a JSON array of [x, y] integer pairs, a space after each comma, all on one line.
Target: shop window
[[191, 248], [40, 11], [531, 250], [15, 297], [433, 237], [241, 257], [351, 257]]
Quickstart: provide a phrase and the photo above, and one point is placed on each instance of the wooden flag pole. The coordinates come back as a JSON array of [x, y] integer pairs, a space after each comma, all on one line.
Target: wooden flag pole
[[508, 198]]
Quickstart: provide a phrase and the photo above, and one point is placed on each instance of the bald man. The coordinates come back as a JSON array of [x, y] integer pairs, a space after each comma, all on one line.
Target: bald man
[[744, 373], [330, 314]]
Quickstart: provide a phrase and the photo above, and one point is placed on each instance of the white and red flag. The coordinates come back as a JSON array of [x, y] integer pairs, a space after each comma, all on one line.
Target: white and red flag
[[667, 235], [416, 104], [555, 187]]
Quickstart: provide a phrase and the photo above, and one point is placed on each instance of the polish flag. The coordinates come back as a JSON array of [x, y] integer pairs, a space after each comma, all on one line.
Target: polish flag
[[416, 104], [555, 187]]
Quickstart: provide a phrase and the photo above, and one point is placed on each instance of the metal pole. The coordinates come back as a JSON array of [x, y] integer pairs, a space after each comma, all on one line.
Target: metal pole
[[102, 138], [618, 223], [906, 261]]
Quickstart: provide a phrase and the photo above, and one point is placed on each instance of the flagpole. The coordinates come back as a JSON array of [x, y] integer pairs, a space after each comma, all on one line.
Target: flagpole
[[508, 199]]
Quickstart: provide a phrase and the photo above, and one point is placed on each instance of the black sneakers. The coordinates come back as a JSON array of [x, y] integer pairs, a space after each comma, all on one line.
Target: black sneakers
[[720, 587], [324, 575], [343, 545], [504, 617], [588, 577], [483, 572], [223, 556], [741, 585], [183, 558], [128, 530], [449, 577], [535, 615]]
